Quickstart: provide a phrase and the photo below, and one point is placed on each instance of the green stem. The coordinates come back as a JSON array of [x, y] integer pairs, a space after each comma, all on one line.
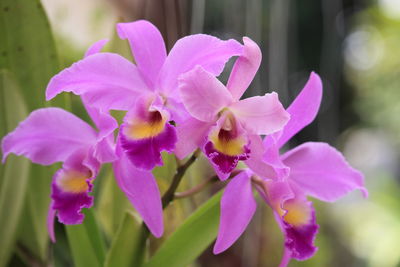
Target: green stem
[[180, 172]]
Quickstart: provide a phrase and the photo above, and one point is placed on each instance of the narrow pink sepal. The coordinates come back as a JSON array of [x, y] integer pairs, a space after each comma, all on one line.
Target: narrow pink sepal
[[202, 94], [48, 135], [261, 114], [304, 108], [141, 188], [245, 69], [237, 208], [322, 172], [147, 47]]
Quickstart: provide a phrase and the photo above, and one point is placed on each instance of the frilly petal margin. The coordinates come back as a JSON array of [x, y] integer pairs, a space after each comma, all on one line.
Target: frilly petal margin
[[147, 47], [237, 208], [146, 153], [200, 49], [141, 188], [321, 171], [299, 240]]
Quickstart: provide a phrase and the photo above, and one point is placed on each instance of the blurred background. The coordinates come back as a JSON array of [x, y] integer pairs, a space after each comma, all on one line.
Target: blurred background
[[352, 44]]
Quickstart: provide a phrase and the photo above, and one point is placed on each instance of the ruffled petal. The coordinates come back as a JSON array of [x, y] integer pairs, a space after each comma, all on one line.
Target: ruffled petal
[[237, 208], [245, 69], [203, 95], [322, 172], [71, 187], [191, 134], [146, 132], [261, 114], [107, 80], [207, 51], [146, 153], [299, 237], [141, 189], [227, 145], [49, 135], [303, 109], [147, 46]]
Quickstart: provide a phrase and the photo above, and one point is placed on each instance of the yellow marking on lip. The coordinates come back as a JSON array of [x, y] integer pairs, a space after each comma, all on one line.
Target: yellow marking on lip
[[73, 182], [298, 213], [146, 129], [230, 147]]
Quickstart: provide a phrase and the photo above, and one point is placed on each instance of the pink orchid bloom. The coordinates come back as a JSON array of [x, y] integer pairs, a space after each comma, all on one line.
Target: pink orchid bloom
[[139, 186], [225, 128], [51, 135], [311, 169], [147, 90]]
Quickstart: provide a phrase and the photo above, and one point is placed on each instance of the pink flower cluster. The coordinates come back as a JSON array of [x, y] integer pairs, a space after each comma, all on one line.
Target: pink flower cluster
[[175, 103]]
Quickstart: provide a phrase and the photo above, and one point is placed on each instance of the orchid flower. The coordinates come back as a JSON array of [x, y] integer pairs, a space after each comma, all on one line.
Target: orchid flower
[[225, 128], [139, 186], [147, 90], [51, 135], [311, 169]]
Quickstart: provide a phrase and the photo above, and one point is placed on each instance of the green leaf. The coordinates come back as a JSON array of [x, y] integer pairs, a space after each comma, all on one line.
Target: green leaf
[[125, 250], [13, 175], [86, 242], [191, 238], [27, 49], [112, 204]]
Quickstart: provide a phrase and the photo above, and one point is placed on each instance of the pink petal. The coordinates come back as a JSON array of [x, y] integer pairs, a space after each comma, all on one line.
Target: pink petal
[[96, 47], [203, 95], [207, 51], [245, 69], [48, 135], [256, 162], [303, 109], [322, 172], [261, 114], [147, 46], [104, 150], [191, 134], [141, 189], [107, 80], [237, 208]]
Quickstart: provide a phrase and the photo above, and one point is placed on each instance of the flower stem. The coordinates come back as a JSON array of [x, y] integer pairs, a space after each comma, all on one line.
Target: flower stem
[[198, 188], [180, 172]]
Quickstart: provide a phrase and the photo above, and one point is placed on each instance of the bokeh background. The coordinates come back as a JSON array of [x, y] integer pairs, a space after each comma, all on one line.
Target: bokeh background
[[352, 44]]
